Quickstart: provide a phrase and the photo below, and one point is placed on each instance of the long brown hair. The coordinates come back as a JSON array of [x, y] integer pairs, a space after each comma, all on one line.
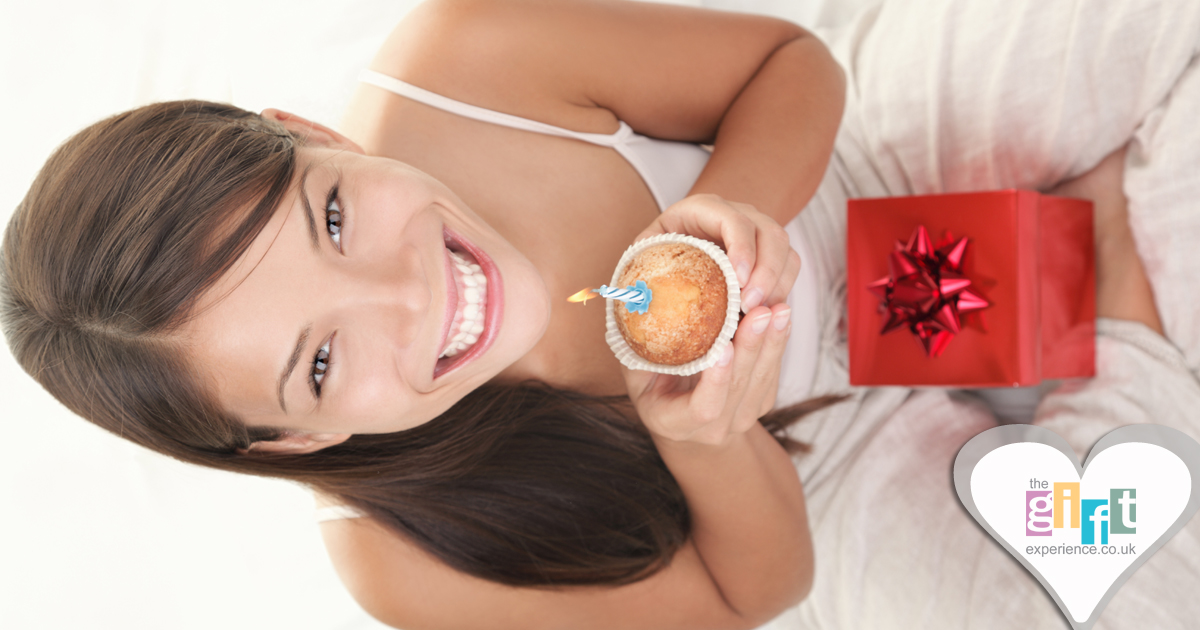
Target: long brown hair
[[131, 220]]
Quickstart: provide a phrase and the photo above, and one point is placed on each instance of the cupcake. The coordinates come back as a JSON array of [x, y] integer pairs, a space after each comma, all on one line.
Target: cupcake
[[693, 309]]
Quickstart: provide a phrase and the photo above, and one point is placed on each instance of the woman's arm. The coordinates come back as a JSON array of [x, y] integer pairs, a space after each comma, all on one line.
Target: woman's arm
[[763, 91], [774, 142], [749, 522]]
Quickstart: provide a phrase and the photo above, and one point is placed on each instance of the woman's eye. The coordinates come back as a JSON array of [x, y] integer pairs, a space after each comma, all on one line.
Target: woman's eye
[[320, 366], [333, 222]]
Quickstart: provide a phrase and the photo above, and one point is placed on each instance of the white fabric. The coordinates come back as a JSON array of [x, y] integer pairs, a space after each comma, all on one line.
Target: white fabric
[[335, 512], [956, 95]]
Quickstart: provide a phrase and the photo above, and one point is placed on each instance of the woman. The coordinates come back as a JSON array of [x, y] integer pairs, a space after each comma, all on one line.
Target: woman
[[364, 316], [263, 205]]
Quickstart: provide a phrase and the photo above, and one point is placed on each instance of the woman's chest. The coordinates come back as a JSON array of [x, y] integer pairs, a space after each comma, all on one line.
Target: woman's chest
[[569, 206]]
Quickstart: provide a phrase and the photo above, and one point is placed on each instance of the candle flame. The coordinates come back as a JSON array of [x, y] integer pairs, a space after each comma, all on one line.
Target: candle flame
[[583, 296]]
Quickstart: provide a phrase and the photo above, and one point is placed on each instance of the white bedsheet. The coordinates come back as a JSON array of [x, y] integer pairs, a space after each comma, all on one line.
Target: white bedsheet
[[958, 95]]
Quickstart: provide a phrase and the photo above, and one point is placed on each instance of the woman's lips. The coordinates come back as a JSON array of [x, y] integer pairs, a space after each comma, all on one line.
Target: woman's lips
[[494, 308]]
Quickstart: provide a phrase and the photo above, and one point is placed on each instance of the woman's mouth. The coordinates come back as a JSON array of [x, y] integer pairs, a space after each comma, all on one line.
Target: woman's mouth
[[474, 304], [471, 294]]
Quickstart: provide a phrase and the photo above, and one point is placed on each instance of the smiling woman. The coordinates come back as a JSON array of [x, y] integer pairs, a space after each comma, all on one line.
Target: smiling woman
[[357, 323], [127, 310]]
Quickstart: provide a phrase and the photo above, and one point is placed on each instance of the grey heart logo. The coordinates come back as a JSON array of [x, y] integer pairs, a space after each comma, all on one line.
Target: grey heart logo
[[1081, 531]]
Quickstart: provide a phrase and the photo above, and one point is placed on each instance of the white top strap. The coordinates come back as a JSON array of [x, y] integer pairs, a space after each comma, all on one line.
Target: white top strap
[[335, 512], [420, 95]]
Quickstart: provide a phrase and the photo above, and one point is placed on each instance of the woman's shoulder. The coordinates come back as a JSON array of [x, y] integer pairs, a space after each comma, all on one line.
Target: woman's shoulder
[[582, 65], [370, 561], [487, 53], [323, 500]]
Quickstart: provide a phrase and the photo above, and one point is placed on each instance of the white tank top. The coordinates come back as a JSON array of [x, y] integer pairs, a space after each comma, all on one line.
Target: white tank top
[[670, 169]]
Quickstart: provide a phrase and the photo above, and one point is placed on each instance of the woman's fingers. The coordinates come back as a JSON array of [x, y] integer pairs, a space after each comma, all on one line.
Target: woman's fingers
[[758, 346], [740, 239], [731, 225], [770, 277], [728, 397], [747, 344], [759, 397], [712, 218], [684, 408], [710, 399], [787, 279], [756, 245], [639, 383]]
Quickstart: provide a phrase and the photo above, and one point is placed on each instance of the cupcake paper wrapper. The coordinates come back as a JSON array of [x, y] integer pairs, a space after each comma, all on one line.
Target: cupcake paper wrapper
[[631, 359]]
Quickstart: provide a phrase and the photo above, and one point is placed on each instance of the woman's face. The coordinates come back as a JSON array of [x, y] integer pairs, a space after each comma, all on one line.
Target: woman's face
[[342, 315]]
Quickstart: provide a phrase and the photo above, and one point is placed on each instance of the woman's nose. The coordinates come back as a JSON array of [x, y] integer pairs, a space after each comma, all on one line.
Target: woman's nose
[[393, 296]]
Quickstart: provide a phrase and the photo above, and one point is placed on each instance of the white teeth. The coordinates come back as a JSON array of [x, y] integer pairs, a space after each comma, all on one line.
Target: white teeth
[[471, 308]]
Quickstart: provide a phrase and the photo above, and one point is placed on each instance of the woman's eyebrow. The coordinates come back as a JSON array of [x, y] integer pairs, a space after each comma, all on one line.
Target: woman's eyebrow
[[308, 211], [291, 364]]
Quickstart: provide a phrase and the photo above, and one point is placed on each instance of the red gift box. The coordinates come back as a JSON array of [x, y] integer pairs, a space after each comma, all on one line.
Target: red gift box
[[1029, 255]]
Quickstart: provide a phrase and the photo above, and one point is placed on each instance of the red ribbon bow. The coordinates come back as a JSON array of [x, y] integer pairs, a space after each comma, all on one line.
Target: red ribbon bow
[[926, 290]]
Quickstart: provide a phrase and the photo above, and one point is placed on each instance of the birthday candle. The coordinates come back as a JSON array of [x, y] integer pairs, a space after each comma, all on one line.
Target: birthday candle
[[637, 297], [627, 294]]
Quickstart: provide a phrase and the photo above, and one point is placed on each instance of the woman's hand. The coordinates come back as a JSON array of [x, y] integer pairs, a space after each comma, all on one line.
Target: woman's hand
[[727, 398], [757, 246]]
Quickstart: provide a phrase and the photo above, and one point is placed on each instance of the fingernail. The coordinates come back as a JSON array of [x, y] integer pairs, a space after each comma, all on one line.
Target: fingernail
[[726, 356], [752, 298], [760, 324], [781, 318], [743, 274]]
